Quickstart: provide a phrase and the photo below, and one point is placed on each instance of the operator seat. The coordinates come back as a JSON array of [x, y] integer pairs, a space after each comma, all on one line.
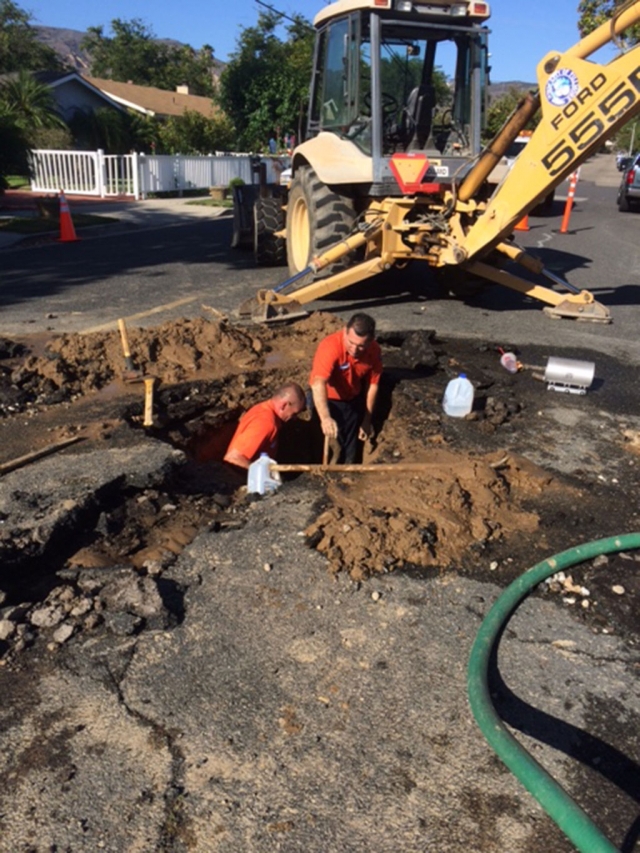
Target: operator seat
[[417, 116]]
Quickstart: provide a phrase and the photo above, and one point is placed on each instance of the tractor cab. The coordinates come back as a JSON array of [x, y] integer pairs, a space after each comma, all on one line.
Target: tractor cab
[[402, 76]]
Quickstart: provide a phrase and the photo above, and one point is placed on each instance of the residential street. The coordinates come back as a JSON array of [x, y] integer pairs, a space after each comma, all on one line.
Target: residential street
[[149, 275], [187, 668]]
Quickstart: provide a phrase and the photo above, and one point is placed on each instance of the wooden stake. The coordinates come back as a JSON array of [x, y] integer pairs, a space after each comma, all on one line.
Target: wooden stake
[[21, 461], [149, 382]]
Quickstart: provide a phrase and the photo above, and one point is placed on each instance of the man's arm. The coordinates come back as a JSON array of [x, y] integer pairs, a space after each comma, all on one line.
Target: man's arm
[[365, 427], [236, 458], [321, 402]]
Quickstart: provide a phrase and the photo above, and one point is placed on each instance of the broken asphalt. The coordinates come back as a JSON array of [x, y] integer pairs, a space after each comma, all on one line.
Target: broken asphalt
[[245, 700]]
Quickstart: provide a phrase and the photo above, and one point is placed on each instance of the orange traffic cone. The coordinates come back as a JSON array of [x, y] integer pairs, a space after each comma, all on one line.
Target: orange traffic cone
[[523, 225], [67, 231]]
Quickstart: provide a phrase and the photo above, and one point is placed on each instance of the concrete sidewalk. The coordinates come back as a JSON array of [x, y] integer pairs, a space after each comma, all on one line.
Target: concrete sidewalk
[[144, 214]]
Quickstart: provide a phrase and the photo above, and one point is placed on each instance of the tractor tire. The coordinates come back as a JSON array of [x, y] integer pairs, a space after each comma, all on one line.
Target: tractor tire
[[268, 217], [317, 218]]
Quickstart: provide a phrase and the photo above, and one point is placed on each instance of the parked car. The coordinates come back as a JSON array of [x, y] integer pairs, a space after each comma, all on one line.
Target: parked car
[[623, 162], [629, 192]]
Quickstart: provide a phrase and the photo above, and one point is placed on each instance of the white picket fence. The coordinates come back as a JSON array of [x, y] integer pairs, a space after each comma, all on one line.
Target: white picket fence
[[94, 173], [91, 173]]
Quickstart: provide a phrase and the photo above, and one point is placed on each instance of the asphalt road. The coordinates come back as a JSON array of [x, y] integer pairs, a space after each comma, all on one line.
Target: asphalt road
[[150, 275], [285, 710]]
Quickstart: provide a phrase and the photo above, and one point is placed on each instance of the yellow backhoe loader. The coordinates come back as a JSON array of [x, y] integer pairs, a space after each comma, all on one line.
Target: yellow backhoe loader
[[392, 170]]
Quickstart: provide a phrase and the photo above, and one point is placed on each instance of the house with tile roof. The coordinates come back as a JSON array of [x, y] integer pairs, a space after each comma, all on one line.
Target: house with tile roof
[[154, 102], [73, 93]]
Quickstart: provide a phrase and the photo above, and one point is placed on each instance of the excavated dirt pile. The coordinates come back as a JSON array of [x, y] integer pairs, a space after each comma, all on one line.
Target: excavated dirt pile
[[378, 522], [375, 522], [477, 503], [80, 364]]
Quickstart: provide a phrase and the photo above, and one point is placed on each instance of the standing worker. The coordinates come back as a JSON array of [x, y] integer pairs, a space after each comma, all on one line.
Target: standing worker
[[344, 381], [257, 430]]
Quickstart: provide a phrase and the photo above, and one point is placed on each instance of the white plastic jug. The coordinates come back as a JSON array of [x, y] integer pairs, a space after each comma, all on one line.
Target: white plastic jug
[[458, 397], [260, 478]]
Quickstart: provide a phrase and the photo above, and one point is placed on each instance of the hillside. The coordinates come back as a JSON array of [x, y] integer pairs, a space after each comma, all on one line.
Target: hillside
[[496, 90], [66, 43]]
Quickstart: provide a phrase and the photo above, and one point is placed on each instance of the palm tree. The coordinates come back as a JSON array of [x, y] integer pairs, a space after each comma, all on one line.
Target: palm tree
[[29, 103]]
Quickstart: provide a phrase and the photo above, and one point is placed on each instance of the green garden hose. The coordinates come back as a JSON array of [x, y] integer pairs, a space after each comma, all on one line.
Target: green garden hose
[[571, 819]]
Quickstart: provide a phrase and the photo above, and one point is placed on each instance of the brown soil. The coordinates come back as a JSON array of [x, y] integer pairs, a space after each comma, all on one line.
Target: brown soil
[[378, 522], [476, 501]]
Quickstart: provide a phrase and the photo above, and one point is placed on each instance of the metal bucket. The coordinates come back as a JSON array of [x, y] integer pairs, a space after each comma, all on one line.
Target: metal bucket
[[565, 374]]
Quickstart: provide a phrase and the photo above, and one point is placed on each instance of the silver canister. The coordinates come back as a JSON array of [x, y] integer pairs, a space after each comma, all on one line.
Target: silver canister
[[566, 374]]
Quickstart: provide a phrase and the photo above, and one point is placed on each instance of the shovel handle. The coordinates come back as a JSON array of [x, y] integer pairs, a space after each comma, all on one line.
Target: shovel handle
[[128, 361], [325, 450], [124, 338]]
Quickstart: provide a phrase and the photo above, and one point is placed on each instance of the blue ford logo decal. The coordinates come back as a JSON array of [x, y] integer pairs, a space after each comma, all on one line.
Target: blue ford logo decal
[[561, 87]]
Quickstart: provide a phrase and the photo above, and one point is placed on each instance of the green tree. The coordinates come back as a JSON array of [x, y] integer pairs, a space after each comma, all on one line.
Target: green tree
[[129, 54], [104, 128], [501, 108], [193, 133], [20, 48], [144, 132], [405, 76], [27, 112], [265, 86], [52, 138], [186, 66], [592, 14], [132, 53], [628, 137], [595, 12], [13, 149], [29, 103]]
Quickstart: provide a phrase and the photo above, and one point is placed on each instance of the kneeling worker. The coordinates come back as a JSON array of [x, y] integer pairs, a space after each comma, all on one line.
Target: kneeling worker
[[344, 382], [257, 430]]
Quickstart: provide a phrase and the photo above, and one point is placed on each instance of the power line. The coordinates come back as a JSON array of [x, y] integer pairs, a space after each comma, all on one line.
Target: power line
[[276, 11]]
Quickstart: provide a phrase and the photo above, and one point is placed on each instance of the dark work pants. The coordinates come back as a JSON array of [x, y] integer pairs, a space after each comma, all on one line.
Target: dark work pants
[[348, 415]]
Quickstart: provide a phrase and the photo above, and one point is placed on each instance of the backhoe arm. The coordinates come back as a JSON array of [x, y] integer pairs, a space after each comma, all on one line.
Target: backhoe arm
[[582, 104]]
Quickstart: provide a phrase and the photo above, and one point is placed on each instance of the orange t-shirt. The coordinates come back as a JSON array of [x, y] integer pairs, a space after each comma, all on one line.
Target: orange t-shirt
[[257, 432], [345, 375]]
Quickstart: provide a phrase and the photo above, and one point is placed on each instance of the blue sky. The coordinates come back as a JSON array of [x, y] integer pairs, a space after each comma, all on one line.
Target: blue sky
[[522, 33]]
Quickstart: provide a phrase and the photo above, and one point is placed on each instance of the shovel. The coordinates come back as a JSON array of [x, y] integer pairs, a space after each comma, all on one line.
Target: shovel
[[130, 373]]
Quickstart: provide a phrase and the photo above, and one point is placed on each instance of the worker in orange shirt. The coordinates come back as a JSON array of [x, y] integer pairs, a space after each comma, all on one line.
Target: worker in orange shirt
[[344, 381], [257, 430]]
